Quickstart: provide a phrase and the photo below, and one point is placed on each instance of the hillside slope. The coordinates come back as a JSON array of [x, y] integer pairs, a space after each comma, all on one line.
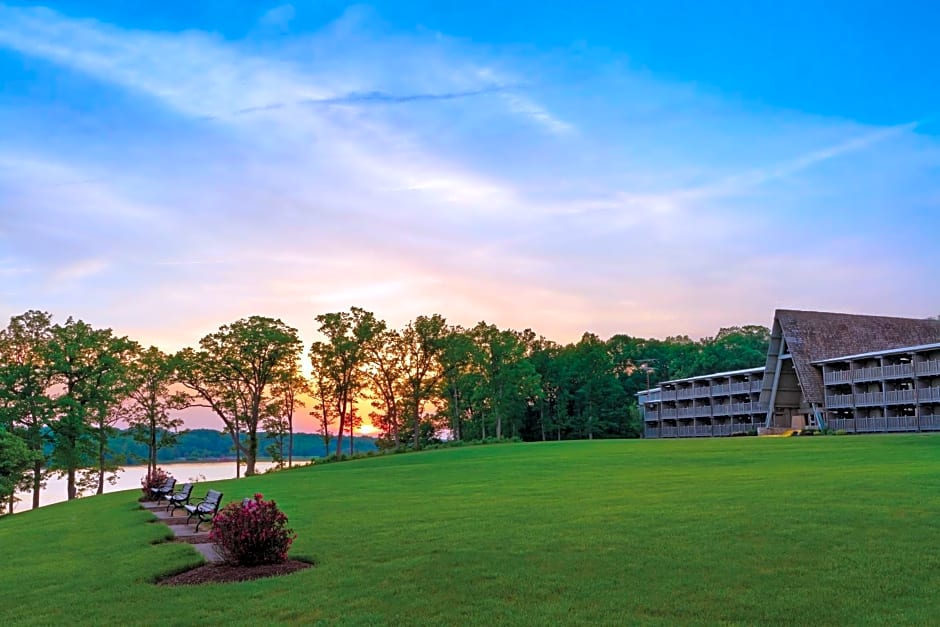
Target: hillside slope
[[748, 530]]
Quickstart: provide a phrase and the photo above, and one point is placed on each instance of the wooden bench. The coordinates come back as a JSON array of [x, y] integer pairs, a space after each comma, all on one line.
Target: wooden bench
[[205, 509], [162, 492], [179, 498]]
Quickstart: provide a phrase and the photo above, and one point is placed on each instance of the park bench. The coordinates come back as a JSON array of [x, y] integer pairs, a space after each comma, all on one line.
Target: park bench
[[205, 509], [163, 491], [179, 498]]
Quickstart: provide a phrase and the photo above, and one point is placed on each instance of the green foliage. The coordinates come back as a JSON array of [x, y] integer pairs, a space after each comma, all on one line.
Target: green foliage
[[252, 533], [15, 459]]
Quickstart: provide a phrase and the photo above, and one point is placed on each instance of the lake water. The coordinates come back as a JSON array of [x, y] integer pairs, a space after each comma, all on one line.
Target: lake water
[[129, 479]]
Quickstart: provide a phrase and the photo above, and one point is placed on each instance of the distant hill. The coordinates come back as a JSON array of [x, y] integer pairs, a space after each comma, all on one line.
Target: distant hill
[[206, 444]]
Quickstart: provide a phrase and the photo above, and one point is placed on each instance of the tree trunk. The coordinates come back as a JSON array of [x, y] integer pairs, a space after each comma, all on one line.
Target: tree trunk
[[290, 441], [70, 486], [482, 425], [499, 426], [251, 453], [339, 435], [417, 427], [351, 442], [37, 482], [542, 419], [101, 447]]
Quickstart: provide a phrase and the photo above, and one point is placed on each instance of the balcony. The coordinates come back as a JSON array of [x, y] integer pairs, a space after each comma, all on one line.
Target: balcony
[[651, 416], [756, 386], [686, 412], [872, 373], [928, 395], [926, 368], [893, 397], [836, 401], [685, 393], [721, 409], [721, 390], [897, 371], [741, 388], [652, 397], [837, 376], [669, 413], [669, 395], [869, 398]]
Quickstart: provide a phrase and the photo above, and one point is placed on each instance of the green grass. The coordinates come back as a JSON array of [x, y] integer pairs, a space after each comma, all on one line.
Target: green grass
[[837, 530]]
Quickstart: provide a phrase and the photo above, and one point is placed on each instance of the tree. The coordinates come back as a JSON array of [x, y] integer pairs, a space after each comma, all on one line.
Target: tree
[[234, 373], [25, 383], [288, 388], [456, 359], [340, 360], [383, 369], [507, 376], [89, 366], [16, 458], [423, 341], [151, 375], [324, 403]]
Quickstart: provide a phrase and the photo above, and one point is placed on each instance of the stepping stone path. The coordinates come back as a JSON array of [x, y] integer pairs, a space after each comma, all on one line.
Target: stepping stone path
[[183, 532]]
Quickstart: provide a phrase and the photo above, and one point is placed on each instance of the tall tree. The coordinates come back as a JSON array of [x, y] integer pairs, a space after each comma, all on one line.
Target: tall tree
[[456, 359], [151, 398], [16, 458], [26, 406], [89, 366], [508, 377], [383, 368], [289, 387], [341, 358], [322, 391], [234, 372], [423, 341]]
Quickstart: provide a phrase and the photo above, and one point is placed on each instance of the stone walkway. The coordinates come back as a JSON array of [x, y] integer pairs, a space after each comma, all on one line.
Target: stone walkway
[[183, 532]]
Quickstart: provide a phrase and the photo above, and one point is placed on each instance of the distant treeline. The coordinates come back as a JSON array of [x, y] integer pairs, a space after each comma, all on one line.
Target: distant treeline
[[207, 444]]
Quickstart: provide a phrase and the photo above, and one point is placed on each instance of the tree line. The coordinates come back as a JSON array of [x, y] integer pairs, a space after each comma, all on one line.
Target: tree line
[[65, 387]]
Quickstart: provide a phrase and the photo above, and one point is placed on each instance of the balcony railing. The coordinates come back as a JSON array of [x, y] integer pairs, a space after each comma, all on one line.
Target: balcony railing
[[872, 373], [756, 386], [685, 393], [703, 412], [721, 409], [869, 398], [899, 396], [895, 371], [686, 412], [926, 395], [669, 413], [669, 395], [721, 390], [740, 388], [928, 367], [652, 397], [835, 401], [651, 416], [837, 376]]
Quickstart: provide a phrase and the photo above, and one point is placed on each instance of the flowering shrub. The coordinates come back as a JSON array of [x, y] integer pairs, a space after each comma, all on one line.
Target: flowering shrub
[[153, 479], [252, 532]]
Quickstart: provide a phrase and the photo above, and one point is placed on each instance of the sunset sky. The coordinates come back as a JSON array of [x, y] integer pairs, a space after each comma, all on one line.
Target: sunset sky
[[663, 169]]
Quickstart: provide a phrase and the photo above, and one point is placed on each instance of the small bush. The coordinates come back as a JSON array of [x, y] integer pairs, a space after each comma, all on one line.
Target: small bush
[[154, 479], [253, 533]]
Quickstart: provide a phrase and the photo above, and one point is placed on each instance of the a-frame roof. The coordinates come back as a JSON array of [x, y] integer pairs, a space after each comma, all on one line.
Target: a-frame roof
[[816, 335]]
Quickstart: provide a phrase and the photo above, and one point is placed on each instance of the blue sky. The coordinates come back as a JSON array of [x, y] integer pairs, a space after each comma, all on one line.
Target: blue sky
[[656, 169]]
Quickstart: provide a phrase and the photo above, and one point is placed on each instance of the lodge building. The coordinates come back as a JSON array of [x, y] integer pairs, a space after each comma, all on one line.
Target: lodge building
[[823, 370]]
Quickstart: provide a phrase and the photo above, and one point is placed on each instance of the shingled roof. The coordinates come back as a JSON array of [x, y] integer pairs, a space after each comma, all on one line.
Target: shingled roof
[[817, 335]]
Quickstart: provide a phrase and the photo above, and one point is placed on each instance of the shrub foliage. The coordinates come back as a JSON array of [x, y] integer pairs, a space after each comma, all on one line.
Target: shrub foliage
[[153, 479], [252, 532]]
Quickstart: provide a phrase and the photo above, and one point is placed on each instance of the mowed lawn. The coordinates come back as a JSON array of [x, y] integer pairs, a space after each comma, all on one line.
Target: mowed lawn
[[825, 530]]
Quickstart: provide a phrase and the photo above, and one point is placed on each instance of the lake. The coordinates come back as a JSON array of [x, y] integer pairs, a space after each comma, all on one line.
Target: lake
[[130, 476]]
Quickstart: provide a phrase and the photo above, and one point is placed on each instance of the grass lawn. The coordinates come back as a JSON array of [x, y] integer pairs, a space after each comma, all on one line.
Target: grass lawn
[[825, 530]]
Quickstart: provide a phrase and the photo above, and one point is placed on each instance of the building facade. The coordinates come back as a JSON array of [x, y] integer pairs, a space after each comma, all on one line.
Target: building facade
[[823, 370]]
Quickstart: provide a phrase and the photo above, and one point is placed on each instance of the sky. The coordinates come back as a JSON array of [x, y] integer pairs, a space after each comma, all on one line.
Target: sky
[[652, 169]]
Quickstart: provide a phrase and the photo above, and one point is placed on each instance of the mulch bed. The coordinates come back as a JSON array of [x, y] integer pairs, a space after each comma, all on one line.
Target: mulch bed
[[225, 573]]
